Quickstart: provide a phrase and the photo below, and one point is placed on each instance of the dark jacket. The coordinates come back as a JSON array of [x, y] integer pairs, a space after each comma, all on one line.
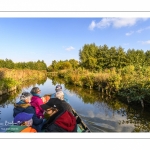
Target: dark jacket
[[62, 121], [66, 106], [28, 109]]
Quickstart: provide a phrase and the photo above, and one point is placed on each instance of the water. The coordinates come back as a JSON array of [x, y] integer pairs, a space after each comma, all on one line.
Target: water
[[100, 113]]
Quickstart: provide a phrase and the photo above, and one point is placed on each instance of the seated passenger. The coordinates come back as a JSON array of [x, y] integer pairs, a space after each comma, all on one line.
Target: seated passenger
[[59, 91], [65, 104], [59, 119], [46, 98], [22, 123], [36, 101], [24, 106]]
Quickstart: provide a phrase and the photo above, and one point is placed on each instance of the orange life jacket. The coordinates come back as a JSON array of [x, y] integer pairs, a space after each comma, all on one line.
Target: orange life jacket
[[29, 129]]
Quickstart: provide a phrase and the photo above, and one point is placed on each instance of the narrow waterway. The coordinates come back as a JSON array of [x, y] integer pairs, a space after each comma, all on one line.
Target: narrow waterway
[[100, 113]]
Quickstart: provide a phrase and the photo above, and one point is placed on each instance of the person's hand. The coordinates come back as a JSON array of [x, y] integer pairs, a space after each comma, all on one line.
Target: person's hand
[[41, 117]]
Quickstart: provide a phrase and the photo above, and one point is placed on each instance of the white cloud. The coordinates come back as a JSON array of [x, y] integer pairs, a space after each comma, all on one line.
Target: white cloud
[[115, 22], [129, 33], [70, 48], [145, 42], [123, 22], [105, 22], [140, 30], [92, 25]]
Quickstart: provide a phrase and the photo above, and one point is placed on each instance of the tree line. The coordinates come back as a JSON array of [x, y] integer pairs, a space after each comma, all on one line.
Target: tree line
[[8, 63], [97, 58], [63, 65], [40, 65]]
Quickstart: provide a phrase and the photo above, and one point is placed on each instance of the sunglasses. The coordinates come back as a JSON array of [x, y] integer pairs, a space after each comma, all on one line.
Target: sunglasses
[[47, 110]]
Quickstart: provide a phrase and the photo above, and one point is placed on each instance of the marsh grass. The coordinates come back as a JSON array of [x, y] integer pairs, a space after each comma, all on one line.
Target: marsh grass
[[129, 83], [10, 79]]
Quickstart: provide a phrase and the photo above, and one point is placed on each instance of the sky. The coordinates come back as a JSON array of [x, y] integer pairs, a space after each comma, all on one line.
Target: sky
[[48, 39]]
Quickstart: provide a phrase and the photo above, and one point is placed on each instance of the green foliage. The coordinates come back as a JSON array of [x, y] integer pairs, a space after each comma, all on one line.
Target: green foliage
[[128, 82], [114, 80], [62, 65], [8, 63], [137, 92], [10, 79], [88, 80], [88, 56], [95, 58], [74, 63], [8, 83], [147, 58], [136, 57]]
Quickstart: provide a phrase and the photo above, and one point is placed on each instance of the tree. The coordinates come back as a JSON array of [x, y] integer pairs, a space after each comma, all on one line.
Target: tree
[[9, 63], [121, 60], [87, 56], [74, 63], [147, 58], [2, 64], [136, 57]]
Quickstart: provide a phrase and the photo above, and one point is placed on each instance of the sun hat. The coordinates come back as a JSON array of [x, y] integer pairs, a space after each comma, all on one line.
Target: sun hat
[[22, 117], [58, 88], [25, 95], [60, 95]]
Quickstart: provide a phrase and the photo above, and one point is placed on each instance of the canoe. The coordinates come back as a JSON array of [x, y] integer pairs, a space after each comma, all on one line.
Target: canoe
[[81, 126]]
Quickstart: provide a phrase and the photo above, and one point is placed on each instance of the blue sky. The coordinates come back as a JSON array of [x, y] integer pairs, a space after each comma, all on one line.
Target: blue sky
[[48, 39]]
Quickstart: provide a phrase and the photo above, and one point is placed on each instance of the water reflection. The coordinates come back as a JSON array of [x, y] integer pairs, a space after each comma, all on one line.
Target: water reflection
[[111, 114], [10, 98], [138, 117]]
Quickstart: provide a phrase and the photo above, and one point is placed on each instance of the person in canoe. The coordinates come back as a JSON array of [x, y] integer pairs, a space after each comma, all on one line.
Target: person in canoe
[[59, 120], [36, 101], [24, 106], [59, 92], [46, 98], [65, 104], [22, 123]]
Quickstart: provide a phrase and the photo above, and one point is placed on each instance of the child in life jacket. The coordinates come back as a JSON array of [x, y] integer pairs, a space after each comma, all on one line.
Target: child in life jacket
[[22, 123]]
